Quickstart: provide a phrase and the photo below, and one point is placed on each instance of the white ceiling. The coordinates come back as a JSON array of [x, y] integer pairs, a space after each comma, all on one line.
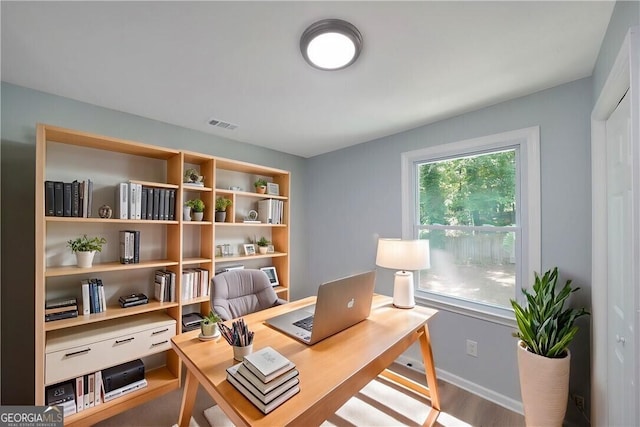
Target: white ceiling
[[186, 62]]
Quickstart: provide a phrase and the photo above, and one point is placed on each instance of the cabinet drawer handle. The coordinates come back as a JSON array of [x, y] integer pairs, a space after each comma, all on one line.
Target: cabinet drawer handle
[[155, 344], [75, 353], [125, 340], [159, 332]]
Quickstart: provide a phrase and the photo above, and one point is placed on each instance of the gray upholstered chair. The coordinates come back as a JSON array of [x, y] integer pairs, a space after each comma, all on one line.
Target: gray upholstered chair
[[236, 293]]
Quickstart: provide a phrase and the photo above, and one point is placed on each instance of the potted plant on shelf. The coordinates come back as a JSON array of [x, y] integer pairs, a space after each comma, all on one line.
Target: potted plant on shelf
[[209, 325], [197, 209], [545, 330], [260, 185], [263, 244], [85, 248], [221, 208]]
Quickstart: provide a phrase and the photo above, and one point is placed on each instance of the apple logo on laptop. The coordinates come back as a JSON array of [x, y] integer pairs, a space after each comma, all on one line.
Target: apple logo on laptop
[[351, 303]]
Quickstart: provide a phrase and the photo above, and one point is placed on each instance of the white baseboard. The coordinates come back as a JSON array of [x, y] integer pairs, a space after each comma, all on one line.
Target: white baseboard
[[483, 392]]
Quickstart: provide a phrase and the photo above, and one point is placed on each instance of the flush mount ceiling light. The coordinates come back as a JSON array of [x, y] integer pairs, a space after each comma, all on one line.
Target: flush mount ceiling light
[[331, 44]]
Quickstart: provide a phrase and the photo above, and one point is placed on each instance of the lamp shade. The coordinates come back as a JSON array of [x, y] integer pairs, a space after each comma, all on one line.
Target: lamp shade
[[400, 254]]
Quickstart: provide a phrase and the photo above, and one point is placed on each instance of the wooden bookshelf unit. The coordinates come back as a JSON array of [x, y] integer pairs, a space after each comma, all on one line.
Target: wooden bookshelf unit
[[174, 245]]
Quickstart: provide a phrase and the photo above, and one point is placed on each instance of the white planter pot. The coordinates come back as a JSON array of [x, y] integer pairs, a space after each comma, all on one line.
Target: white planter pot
[[85, 259], [209, 330], [262, 249], [544, 385], [186, 213]]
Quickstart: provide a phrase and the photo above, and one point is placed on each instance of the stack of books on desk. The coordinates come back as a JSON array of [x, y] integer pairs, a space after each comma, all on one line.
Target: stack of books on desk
[[266, 378]]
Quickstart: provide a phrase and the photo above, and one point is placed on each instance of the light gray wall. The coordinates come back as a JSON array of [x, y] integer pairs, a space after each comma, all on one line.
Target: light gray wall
[[21, 110], [354, 196], [625, 14]]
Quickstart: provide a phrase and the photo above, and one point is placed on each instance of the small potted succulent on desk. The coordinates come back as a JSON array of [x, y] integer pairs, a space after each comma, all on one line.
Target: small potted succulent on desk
[[221, 208], [263, 245], [197, 209], [261, 185], [209, 326], [85, 248]]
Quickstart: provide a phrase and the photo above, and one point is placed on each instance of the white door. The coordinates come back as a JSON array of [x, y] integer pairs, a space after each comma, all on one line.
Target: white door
[[621, 258]]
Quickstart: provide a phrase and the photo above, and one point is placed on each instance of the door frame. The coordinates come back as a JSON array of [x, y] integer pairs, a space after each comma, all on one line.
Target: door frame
[[625, 73]]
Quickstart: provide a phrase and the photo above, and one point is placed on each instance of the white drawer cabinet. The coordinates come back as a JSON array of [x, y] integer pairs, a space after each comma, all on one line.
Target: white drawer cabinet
[[89, 348]]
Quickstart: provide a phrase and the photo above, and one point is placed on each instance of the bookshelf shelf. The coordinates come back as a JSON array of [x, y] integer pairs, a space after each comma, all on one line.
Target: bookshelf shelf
[[185, 248], [107, 266]]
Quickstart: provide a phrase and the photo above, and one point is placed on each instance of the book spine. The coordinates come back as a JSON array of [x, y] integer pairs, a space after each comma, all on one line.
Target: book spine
[[136, 246], [61, 303], [122, 201], [86, 391], [66, 199], [97, 388], [166, 204], [79, 394], [49, 199], [75, 199], [86, 301], [101, 295], [58, 191], [132, 200], [172, 205], [89, 198], [156, 204], [143, 208], [92, 380], [161, 204], [150, 192]]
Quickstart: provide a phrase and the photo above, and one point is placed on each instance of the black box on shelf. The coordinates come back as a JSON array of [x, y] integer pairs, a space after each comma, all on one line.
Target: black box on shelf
[[122, 375]]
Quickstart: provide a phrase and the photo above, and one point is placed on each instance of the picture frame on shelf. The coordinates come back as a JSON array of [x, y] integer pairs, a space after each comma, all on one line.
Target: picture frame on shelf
[[249, 249], [273, 189], [270, 249], [271, 274]]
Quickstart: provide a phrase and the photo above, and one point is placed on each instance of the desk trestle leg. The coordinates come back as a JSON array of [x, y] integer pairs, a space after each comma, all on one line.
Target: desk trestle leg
[[431, 390]]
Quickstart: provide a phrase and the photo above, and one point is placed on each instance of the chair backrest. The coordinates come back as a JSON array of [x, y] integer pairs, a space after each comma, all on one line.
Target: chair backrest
[[236, 293]]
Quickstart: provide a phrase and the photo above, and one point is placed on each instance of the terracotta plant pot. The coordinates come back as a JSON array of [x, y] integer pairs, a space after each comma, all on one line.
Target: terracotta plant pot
[[544, 385], [261, 190]]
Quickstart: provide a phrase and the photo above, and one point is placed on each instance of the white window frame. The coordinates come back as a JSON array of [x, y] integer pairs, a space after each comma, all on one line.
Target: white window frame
[[527, 141]]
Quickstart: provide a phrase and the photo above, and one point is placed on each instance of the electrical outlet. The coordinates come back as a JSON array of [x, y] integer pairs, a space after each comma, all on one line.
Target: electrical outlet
[[472, 348], [579, 402]]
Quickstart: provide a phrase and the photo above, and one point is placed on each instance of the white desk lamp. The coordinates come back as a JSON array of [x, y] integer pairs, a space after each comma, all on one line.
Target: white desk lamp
[[403, 255]]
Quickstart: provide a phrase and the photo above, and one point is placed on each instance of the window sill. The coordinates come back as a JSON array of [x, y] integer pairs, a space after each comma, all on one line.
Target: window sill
[[469, 310]]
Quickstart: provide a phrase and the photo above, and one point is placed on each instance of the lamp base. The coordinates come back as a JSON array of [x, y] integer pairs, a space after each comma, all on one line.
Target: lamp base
[[403, 290]]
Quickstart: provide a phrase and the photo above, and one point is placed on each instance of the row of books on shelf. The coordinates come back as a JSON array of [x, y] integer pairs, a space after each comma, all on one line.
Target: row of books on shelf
[[73, 199], [90, 390], [135, 201], [129, 246], [93, 297], [266, 378], [165, 286], [195, 283], [270, 211]]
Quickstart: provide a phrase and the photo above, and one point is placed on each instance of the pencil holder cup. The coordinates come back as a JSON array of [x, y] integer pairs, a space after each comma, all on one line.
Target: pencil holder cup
[[240, 352]]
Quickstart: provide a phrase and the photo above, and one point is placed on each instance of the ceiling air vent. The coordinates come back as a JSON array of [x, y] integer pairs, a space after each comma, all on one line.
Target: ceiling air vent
[[221, 124]]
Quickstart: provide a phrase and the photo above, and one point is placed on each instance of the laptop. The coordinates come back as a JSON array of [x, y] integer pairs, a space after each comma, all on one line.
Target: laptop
[[340, 304]]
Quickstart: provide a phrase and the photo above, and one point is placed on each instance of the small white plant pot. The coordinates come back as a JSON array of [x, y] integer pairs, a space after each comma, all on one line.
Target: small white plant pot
[[209, 329], [85, 259], [262, 249], [186, 213], [197, 216]]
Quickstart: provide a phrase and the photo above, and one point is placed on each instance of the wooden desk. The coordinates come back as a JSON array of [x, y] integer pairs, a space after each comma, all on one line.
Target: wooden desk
[[331, 371]]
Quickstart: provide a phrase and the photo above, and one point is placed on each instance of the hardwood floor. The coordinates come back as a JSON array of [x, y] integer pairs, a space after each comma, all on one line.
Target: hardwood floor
[[459, 408]]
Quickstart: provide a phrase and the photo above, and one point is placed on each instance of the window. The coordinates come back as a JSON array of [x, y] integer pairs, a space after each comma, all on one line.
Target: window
[[478, 204]]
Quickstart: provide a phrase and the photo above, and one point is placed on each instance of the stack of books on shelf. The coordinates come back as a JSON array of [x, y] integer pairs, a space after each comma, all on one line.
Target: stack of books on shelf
[[129, 246], [165, 286], [266, 378], [89, 391], [133, 201], [195, 283], [93, 297], [270, 211], [62, 308], [72, 199]]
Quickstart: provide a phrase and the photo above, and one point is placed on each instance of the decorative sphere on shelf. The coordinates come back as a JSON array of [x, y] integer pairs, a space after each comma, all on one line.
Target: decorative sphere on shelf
[[105, 211]]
